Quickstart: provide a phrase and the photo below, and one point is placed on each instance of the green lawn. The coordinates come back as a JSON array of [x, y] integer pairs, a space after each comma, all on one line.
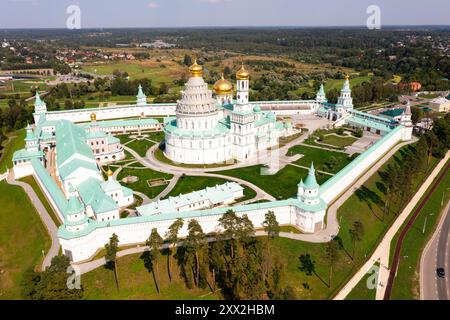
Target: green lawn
[[328, 161], [10, 146], [338, 141], [361, 291], [281, 185], [137, 283], [187, 184], [407, 283], [144, 175], [32, 182], [140, 146], [22, 239]]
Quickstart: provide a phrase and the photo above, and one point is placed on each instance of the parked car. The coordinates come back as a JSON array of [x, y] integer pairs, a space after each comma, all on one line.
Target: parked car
[[440, 272]]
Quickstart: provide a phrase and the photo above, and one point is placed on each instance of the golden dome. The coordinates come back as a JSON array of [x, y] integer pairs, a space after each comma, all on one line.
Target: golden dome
[[110, 173], [93, 117], [242, 74], [223, 86], [347, 76], [196, 70]]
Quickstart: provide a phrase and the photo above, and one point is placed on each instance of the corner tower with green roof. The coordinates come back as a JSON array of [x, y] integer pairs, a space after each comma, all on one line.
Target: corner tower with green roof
[[141, 98], [40, 107], [76, 218], [308, 191], [321, 97]]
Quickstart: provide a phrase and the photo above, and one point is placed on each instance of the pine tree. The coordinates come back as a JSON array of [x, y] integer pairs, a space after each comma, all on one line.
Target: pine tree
[[154, 242], [195, 243], [172, 237], [111, 255]]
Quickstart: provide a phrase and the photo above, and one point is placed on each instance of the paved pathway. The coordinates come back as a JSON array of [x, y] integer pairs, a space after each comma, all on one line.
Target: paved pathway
[[45, 217], [192, 172], [381, 253]]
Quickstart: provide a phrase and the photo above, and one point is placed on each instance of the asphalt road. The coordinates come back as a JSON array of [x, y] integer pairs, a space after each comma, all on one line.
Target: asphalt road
[[436, 255], [443, 259]]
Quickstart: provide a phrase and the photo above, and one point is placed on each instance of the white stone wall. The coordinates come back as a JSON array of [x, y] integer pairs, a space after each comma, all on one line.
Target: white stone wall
[[360, 167], [85, 247]]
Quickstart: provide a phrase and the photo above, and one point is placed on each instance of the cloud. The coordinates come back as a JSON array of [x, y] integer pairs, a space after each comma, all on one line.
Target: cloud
[[153, 5]]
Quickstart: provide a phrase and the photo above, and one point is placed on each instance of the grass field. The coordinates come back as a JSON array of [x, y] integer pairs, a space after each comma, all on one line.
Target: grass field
[[324, 160], [22, 239], [141, 69], [338, 141], [339, 83], [361, 291], [281, 185], [187, 184], [137, 283], [141, 185], [15, 142], [140, 146], [406, 285]]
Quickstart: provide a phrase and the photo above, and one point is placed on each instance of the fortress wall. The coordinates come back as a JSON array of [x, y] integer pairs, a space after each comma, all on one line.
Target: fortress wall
[[83, 248], [347, 176]]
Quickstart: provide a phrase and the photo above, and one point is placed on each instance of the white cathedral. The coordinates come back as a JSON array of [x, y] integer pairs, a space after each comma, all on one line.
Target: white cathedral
[[210, 130]]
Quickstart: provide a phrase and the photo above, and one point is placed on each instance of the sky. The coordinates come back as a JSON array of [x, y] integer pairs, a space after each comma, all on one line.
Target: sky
[[220, 13]]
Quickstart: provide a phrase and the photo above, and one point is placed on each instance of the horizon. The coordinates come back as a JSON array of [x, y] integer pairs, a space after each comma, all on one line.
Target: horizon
[[172, 14]]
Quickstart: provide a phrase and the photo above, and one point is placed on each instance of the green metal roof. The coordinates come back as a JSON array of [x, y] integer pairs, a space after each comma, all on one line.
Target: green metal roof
[[394, 112], [24, 154], [310, 181], [73, 165], [92, 194], [74, 206]]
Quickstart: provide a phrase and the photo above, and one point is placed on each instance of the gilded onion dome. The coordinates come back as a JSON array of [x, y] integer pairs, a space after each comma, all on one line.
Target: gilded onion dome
[[223, 86], [242, 74], [347, 76], [109, 173], [196, 70], [93, 117]]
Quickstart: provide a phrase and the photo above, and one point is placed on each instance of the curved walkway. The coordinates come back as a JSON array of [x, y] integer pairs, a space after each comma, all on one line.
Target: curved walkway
[[45, 217], [198, 173]]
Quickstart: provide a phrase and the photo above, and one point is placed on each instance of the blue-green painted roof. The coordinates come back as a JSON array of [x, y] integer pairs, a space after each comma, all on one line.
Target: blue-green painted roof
[[74, 206], [310, 181], [50, 185], [38, 102], [393, 112], [24, 154], [92, 194], [68, 168], [140, 93]]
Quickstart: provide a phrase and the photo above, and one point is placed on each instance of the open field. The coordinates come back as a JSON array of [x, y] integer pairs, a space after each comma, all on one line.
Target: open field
[[361, 291], [15, 142], [281, 185], [22, 240], [324, 160], [139, 69], [141, 185]]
